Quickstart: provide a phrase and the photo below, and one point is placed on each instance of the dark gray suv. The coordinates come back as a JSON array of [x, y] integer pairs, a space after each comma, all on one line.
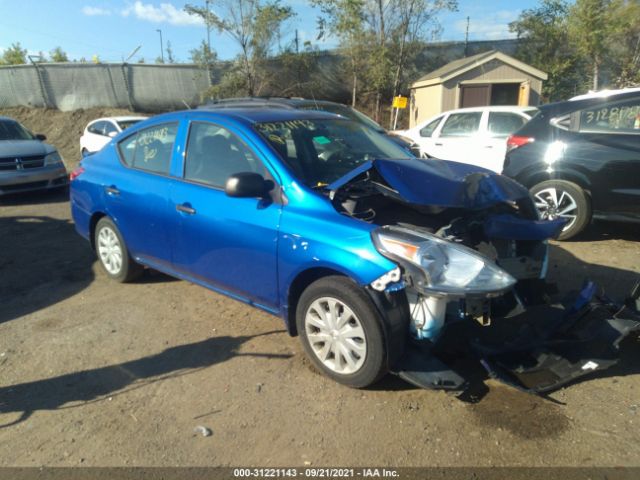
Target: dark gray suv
[[26, 162]]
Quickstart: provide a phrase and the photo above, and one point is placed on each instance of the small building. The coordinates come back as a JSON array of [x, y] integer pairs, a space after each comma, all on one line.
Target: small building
[[488, 78]]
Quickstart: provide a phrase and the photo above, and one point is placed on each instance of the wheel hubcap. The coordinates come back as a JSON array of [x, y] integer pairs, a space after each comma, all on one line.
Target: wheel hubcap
[[336, 335], [553, 203], [109, 250]]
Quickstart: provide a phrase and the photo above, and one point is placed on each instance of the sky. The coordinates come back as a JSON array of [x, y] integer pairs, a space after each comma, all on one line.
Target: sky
[[113, 29]]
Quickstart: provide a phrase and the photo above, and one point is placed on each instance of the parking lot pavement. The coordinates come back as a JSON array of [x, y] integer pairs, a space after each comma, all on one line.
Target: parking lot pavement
[[102, 374]]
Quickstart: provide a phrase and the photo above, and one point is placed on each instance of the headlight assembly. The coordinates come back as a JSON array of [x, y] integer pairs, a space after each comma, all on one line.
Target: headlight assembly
[[443, 267], [53, 158]]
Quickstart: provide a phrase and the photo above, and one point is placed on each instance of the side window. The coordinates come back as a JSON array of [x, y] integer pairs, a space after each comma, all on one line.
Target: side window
[[461, 124], [503, 124], [430, 127], [109, 128], [97, 128], [150, 149], [214, 154], [611, 117]]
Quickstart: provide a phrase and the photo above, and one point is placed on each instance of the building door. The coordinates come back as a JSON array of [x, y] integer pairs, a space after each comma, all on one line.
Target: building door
[[475, 95]]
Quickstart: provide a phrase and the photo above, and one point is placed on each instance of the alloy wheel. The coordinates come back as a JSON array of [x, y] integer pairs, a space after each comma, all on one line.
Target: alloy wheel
[[109, 250], [555, 203]]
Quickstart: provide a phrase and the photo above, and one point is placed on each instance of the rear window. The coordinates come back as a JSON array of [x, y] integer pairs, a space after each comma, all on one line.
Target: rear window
[[503, 124]]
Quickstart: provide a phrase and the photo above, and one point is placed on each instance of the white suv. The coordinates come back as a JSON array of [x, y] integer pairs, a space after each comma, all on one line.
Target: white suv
[[477, 136], [98, 132]]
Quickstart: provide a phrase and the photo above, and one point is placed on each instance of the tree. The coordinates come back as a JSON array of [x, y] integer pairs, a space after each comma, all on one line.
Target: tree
[[589, 27], [58, 55], [202, 55], [14, 55], [254, 25], [545, 44], [169, 50], [623, 58], [345, 20]]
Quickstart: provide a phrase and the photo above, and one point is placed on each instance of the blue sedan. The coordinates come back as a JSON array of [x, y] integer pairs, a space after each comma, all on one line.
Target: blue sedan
[[373, 257]]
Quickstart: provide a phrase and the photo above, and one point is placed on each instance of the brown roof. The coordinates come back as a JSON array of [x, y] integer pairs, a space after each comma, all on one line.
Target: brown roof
[[456, 65]]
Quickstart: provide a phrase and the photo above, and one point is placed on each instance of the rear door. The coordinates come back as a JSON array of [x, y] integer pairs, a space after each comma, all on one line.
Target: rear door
[[499, 126], [223, 242], [607, 150], [136, 196]]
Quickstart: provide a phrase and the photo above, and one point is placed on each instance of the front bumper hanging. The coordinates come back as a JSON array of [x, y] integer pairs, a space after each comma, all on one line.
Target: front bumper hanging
[[537, 351]]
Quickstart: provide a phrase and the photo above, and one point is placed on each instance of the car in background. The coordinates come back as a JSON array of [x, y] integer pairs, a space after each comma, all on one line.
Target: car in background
[[98, 132], [375, 258], [26, 162], [319, 105], [581, 160], [477, 136]]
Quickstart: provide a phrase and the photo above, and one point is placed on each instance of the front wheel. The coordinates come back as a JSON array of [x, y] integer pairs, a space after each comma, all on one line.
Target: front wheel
[[341, 333], [562, 199], [113, 254]]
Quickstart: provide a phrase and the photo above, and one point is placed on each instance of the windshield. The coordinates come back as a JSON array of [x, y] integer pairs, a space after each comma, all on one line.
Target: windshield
[[124, 124], [11, 130], [321, 151]]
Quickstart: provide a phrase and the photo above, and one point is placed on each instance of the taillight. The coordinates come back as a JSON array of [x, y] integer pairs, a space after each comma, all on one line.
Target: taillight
[[76, 173], [516, 141]]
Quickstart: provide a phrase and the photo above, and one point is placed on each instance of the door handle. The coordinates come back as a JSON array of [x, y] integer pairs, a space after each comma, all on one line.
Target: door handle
[[438, 144], [112, 190], [488, 146], [186, 209]]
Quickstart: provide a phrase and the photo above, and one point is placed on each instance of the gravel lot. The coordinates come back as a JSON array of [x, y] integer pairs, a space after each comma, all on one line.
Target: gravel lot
[[101, 374]]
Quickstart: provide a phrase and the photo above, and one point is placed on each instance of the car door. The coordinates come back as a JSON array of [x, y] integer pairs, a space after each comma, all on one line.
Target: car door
[[424, 136], [224, 242], [494, 147], [458, 138], [606, 149], [137, 195]]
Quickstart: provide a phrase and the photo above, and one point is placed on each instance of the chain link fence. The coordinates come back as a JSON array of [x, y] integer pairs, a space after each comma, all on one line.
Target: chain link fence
[[139, 87]]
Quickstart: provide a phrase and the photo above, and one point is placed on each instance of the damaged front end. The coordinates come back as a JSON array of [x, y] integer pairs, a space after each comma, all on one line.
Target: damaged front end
[[472, 260]]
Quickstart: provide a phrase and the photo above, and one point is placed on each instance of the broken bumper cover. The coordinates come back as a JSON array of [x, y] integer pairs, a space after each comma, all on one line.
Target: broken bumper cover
[[537, 351]]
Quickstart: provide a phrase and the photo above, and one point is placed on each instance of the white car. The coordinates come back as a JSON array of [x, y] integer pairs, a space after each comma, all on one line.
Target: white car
[[477, 136], [98, 132]]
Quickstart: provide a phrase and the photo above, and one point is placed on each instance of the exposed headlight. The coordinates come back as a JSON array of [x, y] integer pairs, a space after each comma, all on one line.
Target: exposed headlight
[[447, 268], [52, 159]]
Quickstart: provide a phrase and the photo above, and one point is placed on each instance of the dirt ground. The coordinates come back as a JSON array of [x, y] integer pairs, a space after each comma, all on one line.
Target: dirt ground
[[101, 374], [95, 373]]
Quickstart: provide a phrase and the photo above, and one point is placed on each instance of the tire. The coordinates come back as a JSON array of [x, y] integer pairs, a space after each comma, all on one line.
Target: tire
[[113, 254], [353, 354], [559, 198]]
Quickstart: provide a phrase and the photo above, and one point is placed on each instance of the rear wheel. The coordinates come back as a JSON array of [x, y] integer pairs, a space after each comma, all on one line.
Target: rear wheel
[[341, 333], [562, 199], [113, 254]]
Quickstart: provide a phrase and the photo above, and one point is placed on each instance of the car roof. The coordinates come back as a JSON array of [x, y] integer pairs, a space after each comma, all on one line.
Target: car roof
[[253, 115], [8, 119], [282, 102], [567, 106], [492, 108], [605, 93], [119, 119]]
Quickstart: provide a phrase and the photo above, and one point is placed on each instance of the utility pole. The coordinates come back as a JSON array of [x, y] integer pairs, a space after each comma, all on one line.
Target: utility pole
[[297, 43], [466, 40], [161, 45]]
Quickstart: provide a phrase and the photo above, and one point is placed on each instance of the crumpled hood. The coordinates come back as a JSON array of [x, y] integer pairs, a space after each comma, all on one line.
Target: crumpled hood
[[24, 148], [440, 183]]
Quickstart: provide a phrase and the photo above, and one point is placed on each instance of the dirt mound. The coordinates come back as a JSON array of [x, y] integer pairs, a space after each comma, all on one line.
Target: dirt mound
[[63, 129]]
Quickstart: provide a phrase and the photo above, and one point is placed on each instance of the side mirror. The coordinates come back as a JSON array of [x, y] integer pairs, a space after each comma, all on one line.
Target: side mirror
[[40, 136], [247, 185], [112, 134]]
